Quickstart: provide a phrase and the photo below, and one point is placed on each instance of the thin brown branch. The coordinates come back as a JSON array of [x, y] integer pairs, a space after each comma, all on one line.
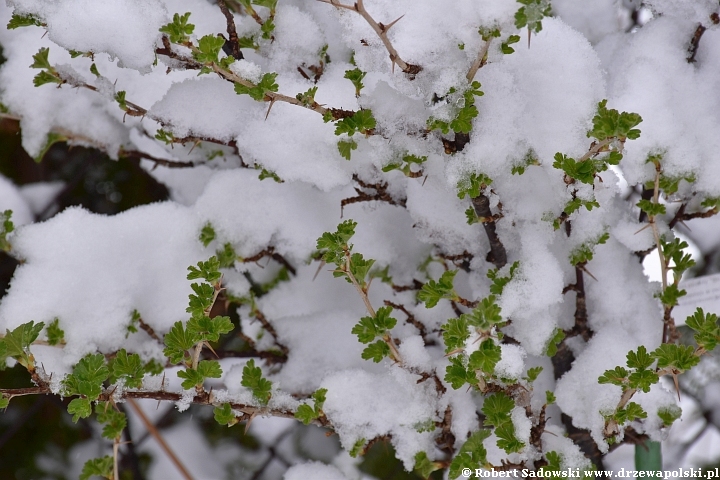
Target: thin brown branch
[[480, 61], [137, 154], [380, 194], [270, 252], [411, 320], [497, 255], [695, 43], [381, 30], [160, 440], [231, 31], [270, 329]]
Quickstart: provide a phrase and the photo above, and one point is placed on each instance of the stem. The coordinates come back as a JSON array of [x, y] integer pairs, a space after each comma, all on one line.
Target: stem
[[159, 438], [116, 447], [381, 31], [479, 62]]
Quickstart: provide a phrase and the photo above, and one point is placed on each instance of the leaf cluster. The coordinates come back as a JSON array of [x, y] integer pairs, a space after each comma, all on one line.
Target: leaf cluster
[[531, 14], [48, 73], [405, 165], [585, 251], [498, 281], [102, 467], [498, 408], [17, 21], [307, 414], [333, 246], [356, 76], [258, 91], [609, 123], [434, 291], [471, 455], [224, 415], [196, 377], [462, 120], [473, 185], [86, 380], [675, 252], [370, 328], [707, 332], [16, 344], [179, 29], [114, 421], [361, 121]]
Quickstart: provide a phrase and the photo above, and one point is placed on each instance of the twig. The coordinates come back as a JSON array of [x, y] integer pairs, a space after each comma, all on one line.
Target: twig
[[695, 43], [480, 61], [381, 30], [232, 31], [160, 440], [497, 255]]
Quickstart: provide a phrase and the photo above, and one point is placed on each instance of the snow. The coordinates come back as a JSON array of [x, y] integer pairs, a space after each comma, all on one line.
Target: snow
[[92, 271]]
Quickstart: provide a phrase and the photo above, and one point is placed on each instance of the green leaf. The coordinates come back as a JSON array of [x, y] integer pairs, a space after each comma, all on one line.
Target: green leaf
[[4, 402], [485, 358], [79, 408], [129, 367], [115, 421], [498, 282], [102, 467], [669, 414], [630, 413], [210, 329], [507, 439], [361, 121], [652, 209], [376, 351], [505, 46], [485, 315], [224, 415], [305, 414], [457, 374], [55, 334], [585, 251], [208, 270], [497, 409], [164, 136], [552, 347], [226, 255], [549, 397], [370, 328], [433, 291], [207, 234], [178, 341], [179, 29], [7, 226], [436, 124], [355, 76], [205, 369], [680, 357], [583, 171], [533, 373], [462, 123], [670, 296], [609, 123], [618, 376], [471, 455], [455, 333], [252, 379], [45, 77], [639, 360], [19, 340], [357, 447], [473, 185], [706, 328], [18, 21], [553, 459], [574, 205], [345, 147], [40, 59], [258, 92], [307, 98], [532, 13], [643, 380], [360, 268], [333, 245], [88, 376], [424, 466]]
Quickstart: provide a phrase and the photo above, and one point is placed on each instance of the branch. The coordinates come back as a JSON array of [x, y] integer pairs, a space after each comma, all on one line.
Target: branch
[[497, 255], [380, 195], [409, 69], [695, 43], [158, 161], [232, 31], [480, 61]]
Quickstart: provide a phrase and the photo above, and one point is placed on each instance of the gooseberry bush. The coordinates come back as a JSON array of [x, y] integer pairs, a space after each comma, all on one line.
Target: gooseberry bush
[[413, 222]]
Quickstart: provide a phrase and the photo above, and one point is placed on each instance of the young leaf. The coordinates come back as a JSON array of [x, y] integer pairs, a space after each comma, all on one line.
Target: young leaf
[[669, 414], [305, 414], [129, 367], [355, 76], [643, 380], [177, 342], [707, 333], [179, 29], [102, 467], [552, 347], [618, 376], [533, 373], [424, 466], [87, 377], [485, 358], [17, 343], [115, 422], [507, 439], [433, 291], [207, 234], [258, 92], [376, 351], [680, 357], [210, 329], [208, 270], [497, 408], [18, 21], [224, 415], [345, 147], [252, 379], [639, 360], [455, 334], [609, 123], [40, 59], [485, 315], [471, 455], [361, 121], [79, 408]]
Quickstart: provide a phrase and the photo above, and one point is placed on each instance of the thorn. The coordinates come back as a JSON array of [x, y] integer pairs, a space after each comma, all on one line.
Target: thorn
[[272, 102], [424, 180], [247, 424], [588, 272], [677, 386], [207, 344], [529, 33], [322, 264], [643, 228], [385, 28]]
